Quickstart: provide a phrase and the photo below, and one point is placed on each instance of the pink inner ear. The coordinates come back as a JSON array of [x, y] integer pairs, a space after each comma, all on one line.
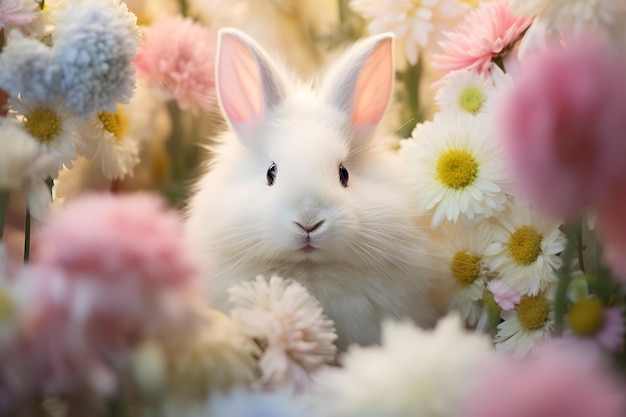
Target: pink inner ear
[[373, 87], [239, 81]]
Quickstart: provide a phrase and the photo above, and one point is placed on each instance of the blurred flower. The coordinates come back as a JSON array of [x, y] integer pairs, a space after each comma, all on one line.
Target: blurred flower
[[484, 36], [463, 252], [416, 24], [17, 12], [28, 68], [530, 323], [95, 49], [563, 128], [457, 167], [553, 382], [53, 126], [553, 18], [506, 297], [465, 91], [612, 232], [177, 56], [217, 357], [107, 141], [296, 336], [588, 317], [414, 372], [525, 249]]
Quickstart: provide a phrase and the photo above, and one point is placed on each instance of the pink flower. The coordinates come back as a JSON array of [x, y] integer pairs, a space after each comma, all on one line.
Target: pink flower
[[178, 56], [17, 12], [485, 33], [611, 336], [128, 240], [505, 296], [563, 126], [557, 381]]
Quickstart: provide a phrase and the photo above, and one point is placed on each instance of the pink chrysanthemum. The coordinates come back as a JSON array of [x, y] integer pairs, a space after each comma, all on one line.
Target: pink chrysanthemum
[[177, 55], [127, 241], [506, 297], [563, 126], [557, 381], [17, 12], [486, 33]]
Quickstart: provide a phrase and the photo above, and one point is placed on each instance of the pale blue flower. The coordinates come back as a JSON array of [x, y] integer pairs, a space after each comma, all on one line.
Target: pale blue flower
[[95, 50], [28, 67]]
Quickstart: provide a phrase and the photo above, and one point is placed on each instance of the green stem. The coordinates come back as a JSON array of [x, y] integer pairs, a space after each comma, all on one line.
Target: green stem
[[565, 277], [411, 80], [580, 246], [4, 208], [27, 237]]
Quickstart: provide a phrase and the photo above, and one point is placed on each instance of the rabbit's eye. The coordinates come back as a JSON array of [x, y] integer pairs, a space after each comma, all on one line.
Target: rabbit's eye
[[271, 174], [343, 176]]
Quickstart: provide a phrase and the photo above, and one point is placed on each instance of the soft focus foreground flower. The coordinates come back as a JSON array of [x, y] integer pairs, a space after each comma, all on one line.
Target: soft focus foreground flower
[[95, 49], [17, 12], [563, 126], [458, 168], [177, 56], [297, 337], [416, 24], [553, 382], [485, 35], [525, 249], [107, 142], [414, 372]]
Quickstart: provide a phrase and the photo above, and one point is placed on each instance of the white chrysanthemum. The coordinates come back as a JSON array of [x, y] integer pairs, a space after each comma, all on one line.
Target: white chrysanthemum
[[525, 249], [414, 372], [53, 126], [417, 24], [465, 91], [531, 322], [296, 335], [18, 153], [458, 167], [575, 17], [107, 142], [462, 251]]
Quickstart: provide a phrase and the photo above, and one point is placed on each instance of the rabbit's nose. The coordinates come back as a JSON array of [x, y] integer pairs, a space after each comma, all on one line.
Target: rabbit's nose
[[311, 228]]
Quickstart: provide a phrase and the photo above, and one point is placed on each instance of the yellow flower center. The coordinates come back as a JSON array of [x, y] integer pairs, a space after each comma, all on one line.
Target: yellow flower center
[[525, 245], [43, 124], [457, 169], [533, 311], [116, 123], [6, 306], [586, 316], [465, 268], [471, 100]]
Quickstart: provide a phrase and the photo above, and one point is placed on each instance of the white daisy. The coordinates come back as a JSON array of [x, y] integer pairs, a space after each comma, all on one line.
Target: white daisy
[[462, 252], [525, 249], [414, 372], [465, 91], [575, 17], [297, 337], [107, 142], [458, 168], [417, 24], [531, 322], [53, 126]]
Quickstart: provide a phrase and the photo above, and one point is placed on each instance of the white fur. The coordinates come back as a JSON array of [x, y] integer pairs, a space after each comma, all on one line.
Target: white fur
[[369, 260]]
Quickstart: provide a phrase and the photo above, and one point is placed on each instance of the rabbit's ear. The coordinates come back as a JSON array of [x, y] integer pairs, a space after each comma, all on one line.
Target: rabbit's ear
[[360, 84], [247, 84]]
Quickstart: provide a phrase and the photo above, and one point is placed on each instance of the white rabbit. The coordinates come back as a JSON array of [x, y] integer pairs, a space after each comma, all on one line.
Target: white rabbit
[[302, 187]]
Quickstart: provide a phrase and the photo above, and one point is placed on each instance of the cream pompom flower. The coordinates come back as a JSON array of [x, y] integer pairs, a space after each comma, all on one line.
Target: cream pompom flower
[[416, 24], [291, 326], [458, 168], [53, 126], [108, 143], [525, 249], [414, 372]]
